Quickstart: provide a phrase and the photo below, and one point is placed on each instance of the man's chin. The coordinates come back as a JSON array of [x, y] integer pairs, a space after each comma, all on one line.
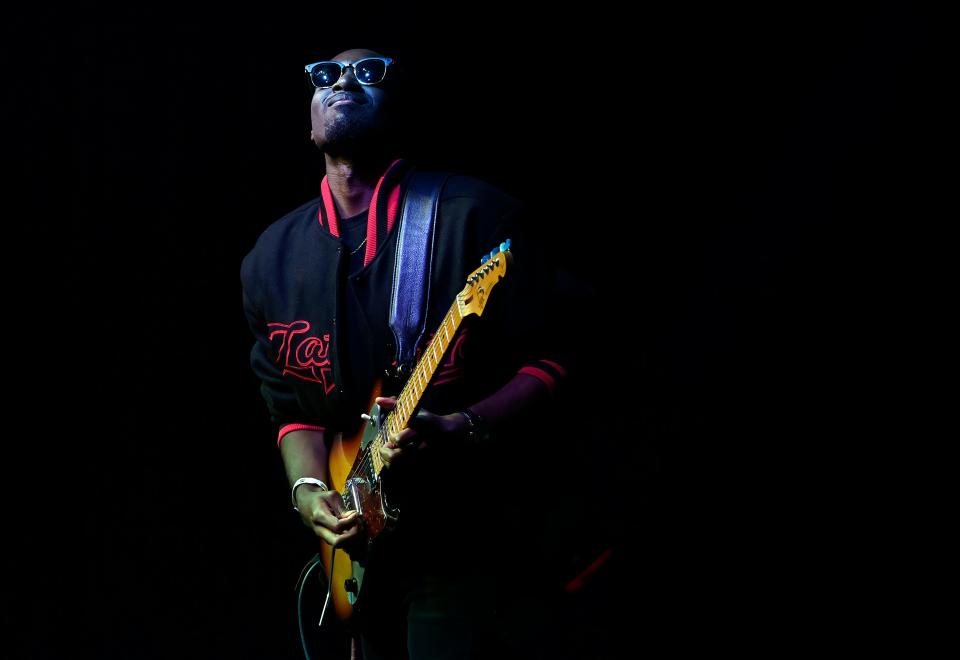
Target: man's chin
[[349, 121], [353, 142]]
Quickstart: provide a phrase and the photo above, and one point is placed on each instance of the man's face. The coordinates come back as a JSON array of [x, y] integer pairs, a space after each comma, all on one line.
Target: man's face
[[349, 114]]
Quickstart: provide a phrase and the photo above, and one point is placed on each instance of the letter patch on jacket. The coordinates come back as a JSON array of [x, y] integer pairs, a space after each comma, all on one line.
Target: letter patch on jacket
[[303, 355]]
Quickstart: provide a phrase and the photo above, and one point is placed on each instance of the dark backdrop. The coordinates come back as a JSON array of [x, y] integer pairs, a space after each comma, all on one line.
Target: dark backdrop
[[734, 184]]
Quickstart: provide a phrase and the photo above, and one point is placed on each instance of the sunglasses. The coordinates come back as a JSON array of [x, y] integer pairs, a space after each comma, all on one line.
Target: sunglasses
[[368, 71]]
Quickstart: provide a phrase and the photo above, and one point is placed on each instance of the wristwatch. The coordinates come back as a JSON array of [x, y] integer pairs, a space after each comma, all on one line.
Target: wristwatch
[[477, 429]]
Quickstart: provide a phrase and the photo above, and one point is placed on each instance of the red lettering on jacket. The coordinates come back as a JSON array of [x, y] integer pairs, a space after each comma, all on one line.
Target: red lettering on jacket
[[303, 356]]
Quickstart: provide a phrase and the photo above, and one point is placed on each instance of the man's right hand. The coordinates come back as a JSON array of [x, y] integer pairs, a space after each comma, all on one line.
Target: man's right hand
[[322, 511]]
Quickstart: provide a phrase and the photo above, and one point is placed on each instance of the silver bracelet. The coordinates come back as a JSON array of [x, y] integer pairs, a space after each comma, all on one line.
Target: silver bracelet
[[300, 482]]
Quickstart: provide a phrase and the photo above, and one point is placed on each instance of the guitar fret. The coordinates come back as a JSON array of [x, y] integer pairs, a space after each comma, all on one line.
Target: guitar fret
[[369, 463]]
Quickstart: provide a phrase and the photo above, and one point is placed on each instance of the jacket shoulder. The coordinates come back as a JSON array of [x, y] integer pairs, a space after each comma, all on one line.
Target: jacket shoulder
[[277, 239], [474, 190]]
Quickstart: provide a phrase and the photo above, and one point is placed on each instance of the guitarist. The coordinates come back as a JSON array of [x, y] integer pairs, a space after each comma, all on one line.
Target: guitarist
[[316, 294]]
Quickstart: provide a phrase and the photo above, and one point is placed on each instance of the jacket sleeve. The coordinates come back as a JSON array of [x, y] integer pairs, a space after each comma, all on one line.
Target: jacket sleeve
[[283, 406], [532, 314]]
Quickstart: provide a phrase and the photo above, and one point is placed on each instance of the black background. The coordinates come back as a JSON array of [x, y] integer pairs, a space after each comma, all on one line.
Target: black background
[[738, 186]]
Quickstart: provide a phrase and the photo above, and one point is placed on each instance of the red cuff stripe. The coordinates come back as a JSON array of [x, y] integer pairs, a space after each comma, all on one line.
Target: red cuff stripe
[[559, 368], [541, 375], [297, 427]]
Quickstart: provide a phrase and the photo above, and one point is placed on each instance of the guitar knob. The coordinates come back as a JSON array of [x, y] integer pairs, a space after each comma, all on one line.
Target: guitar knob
[[350, 585]]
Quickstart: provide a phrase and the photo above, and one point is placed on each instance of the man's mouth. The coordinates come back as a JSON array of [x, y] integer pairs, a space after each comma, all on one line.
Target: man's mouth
[[343, 98]]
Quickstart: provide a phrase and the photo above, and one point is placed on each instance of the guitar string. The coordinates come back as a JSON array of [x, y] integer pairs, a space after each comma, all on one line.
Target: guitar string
[[366, 460]]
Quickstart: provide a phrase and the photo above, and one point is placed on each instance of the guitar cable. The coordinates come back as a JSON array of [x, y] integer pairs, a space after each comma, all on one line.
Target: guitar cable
[[301, 583]]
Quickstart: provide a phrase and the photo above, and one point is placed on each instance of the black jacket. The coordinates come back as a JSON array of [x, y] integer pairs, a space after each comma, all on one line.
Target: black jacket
[[321, 333], [322, 338]]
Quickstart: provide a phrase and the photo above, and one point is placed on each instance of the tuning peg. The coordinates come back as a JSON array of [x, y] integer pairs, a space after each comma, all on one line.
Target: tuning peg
[[507, 244], [495, 251]]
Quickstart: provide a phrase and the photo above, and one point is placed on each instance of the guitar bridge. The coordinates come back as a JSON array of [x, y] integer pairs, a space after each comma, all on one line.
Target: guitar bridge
[[355, 492]]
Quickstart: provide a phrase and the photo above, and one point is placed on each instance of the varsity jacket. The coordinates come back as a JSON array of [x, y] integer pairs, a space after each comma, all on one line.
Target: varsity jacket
[[321, 334]]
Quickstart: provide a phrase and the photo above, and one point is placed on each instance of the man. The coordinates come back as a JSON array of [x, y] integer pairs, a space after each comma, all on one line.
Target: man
[[316, 292]]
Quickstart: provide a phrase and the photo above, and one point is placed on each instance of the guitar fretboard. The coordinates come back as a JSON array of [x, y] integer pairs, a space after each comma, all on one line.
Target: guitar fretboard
[[416, 385]]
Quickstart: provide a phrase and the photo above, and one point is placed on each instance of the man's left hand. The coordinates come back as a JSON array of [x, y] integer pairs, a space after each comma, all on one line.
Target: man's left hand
[[424, 430]]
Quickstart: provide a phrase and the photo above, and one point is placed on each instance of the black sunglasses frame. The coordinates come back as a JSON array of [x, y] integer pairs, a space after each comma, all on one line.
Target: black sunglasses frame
[[387, 61]]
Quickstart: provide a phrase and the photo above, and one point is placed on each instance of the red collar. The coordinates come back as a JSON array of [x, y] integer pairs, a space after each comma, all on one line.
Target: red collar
[[381, 215]]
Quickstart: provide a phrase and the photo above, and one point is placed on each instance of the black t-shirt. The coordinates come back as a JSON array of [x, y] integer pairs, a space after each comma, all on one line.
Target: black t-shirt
[[365, 315], [353, 231]]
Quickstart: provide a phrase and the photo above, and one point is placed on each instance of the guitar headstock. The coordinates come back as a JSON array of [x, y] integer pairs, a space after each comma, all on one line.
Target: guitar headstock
[[473, 298]]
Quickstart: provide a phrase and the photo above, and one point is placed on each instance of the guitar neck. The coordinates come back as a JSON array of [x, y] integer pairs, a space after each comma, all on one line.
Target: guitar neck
[[416, 385]]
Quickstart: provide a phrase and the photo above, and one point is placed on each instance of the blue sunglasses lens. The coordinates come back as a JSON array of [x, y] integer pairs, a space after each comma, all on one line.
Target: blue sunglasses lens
[[368, 72], [325, 74]]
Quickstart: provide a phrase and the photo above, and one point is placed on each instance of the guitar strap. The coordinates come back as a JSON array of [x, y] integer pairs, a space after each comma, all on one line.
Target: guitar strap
[[414, 265]]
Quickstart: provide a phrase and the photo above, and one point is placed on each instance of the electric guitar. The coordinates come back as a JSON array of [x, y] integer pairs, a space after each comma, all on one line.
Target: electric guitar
[[354, 462]]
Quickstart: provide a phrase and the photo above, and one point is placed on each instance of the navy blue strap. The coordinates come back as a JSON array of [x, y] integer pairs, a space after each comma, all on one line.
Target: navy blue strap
[[413, 265]]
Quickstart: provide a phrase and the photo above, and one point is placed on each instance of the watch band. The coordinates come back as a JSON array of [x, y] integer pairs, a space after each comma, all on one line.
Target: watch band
[[477, 429]]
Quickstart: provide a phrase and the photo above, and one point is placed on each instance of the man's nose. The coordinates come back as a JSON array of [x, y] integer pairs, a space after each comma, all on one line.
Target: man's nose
[[348, 81]]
